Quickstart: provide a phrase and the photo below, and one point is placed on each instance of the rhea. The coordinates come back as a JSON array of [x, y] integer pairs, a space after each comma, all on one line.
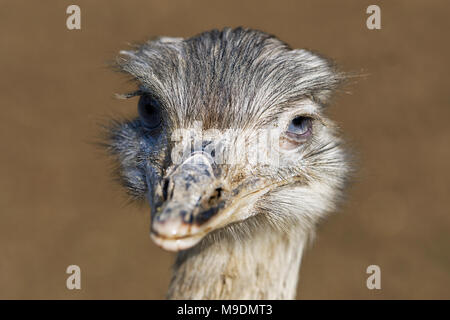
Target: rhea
[[239, 223]]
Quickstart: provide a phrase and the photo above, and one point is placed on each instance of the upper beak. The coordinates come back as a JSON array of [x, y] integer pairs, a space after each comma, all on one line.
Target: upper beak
[[191, 199]]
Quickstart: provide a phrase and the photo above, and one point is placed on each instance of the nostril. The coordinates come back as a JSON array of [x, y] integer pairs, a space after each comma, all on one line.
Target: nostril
[[215, 197], [165, 189], [219, 192]]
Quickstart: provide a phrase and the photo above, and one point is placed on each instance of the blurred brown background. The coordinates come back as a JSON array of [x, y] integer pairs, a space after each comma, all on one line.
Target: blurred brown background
[[58, 203]]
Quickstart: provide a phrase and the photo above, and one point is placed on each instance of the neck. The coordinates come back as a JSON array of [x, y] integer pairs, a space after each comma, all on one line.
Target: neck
[[264, 265]]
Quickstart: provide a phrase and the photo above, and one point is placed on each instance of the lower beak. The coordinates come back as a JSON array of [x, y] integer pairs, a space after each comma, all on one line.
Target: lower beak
[[192, 201]]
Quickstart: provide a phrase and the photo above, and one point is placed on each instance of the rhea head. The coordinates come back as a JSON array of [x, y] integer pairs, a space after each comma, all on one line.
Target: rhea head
[[230, 136]]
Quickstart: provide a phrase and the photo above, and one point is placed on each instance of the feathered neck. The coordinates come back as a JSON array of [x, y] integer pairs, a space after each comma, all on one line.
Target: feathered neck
[[264, 265]]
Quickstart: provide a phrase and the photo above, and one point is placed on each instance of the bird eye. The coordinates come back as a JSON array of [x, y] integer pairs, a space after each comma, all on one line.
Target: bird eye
[[149, 111], [300, 126]]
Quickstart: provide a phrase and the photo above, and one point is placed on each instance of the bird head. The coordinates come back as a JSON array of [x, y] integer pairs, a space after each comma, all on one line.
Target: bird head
[[230, 134]]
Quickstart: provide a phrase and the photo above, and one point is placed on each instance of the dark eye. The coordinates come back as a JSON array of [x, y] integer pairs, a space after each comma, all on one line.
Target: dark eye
[[300, 126], [149, 111]]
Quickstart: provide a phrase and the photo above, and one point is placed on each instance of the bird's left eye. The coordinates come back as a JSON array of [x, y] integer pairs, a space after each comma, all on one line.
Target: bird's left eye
[[300, 126], [149, 111]]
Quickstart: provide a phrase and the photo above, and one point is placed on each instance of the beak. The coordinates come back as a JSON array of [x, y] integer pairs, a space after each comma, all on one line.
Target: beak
[[189, 205]]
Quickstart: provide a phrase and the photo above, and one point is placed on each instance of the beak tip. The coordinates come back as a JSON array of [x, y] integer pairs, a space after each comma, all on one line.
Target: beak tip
[[173, 225], [172, 233], [174, 245]]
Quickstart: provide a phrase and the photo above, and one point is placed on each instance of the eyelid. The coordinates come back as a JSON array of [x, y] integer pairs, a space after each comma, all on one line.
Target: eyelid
[[313, 116]]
